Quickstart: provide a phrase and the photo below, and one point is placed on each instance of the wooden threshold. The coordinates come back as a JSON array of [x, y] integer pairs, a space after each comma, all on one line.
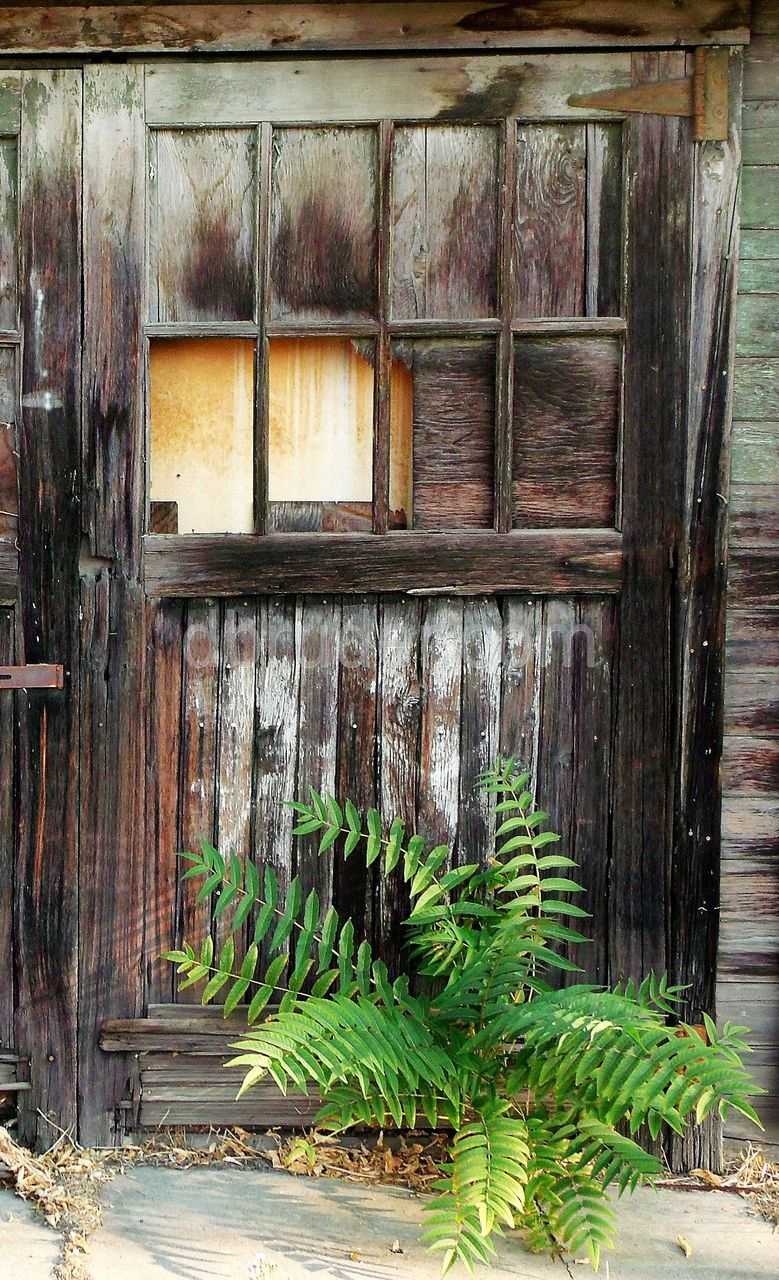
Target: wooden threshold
[[479, 563]]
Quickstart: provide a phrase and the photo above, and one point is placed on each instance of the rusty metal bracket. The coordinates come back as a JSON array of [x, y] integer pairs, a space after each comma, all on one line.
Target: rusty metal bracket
[[703, 96], [36, 675]]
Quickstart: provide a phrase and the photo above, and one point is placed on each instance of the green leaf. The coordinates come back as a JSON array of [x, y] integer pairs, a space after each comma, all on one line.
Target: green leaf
[[287, 922], [264, 993]]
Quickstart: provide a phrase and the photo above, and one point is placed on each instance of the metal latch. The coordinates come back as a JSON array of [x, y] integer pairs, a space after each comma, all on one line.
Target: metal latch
[[703, 96], [35, 675]]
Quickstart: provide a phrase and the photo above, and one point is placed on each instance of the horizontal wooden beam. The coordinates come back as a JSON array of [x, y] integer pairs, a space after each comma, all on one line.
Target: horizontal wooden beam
[[544, 563], [160, 28]]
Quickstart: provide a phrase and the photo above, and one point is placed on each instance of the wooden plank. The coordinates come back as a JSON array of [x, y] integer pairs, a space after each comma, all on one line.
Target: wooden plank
[[550, 235], [354, 885], [760, 132], [750, 826], [554, 785], [757, 390], [9, 418], [480, 726], [453, 423], [276, 734], [748, 949], [699, 608], [113, 650], [521, 667], [760, 196], [164, 631], [758, 243], [7, 851], [750, 890], [757, 329], [659, 159], [566, 421], [444, 222], [759, 275], [752, 703], [752, 1004], [324, 220], [753, 576], [9, 564], [10, 101], [296, 27], [537, 562], [235, 749], [765, 17], [761, 68], [452, 88], [317, 731], [9, 194], [399, 732], [753, 638], [441, 677], [755, 454], [203, 214], [604, 266], [197, 781], [592, 655], [46, 885], [750, 767]]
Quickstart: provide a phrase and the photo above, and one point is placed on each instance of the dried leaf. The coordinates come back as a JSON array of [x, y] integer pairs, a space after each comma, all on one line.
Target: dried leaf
[[685, 1246]]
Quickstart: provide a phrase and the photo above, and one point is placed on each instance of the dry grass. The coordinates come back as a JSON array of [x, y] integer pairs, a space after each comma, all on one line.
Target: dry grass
[[758, 1180]]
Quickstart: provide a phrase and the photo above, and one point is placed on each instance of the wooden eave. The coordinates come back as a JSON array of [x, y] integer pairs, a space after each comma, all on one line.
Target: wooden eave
[[84, 30]]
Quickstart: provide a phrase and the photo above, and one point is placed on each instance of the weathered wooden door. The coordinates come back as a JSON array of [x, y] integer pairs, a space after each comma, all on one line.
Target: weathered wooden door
[[397, 443]]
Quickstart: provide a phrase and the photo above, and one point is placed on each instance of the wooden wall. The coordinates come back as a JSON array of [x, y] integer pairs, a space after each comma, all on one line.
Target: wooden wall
[[748, 973]]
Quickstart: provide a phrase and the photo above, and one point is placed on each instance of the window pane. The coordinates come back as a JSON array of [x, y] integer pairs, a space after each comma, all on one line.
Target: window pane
[[444, 213], [324, 222], [203, 224], [201, 435], [443, 417], [320, 434], [566, 416], [8, 237]]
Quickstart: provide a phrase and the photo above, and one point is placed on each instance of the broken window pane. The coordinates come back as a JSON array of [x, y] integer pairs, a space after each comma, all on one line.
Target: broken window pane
[[320, 434], [201, 436], [442, 431]]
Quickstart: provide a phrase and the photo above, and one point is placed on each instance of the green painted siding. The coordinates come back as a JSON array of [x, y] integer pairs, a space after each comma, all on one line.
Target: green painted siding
[[748, 975]]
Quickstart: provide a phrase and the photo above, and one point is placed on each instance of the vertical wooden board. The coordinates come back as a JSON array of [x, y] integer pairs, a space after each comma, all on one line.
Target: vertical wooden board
[[521, 668], [112, 847], [604, 248], [659, 165], [452, 387], [444, 221], [318, 730], [441, 666], [6, 837], [9, 241], [550, 235], [324, 224], [593, 656], [113, 650], [9, 416], [235, 753], [480, 726], [399, 724], [46, 889], [203, 220], [701, 601], [565, 429], [554, 791], [114, 212], [276, 734], [199, 718], [354, 885], [165, 634]]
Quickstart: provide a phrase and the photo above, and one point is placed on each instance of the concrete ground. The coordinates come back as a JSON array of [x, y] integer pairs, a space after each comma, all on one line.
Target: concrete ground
[[225, 1224]]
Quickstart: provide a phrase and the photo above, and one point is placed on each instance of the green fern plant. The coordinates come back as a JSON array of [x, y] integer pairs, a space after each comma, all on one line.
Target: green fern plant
[[541, 1086]]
